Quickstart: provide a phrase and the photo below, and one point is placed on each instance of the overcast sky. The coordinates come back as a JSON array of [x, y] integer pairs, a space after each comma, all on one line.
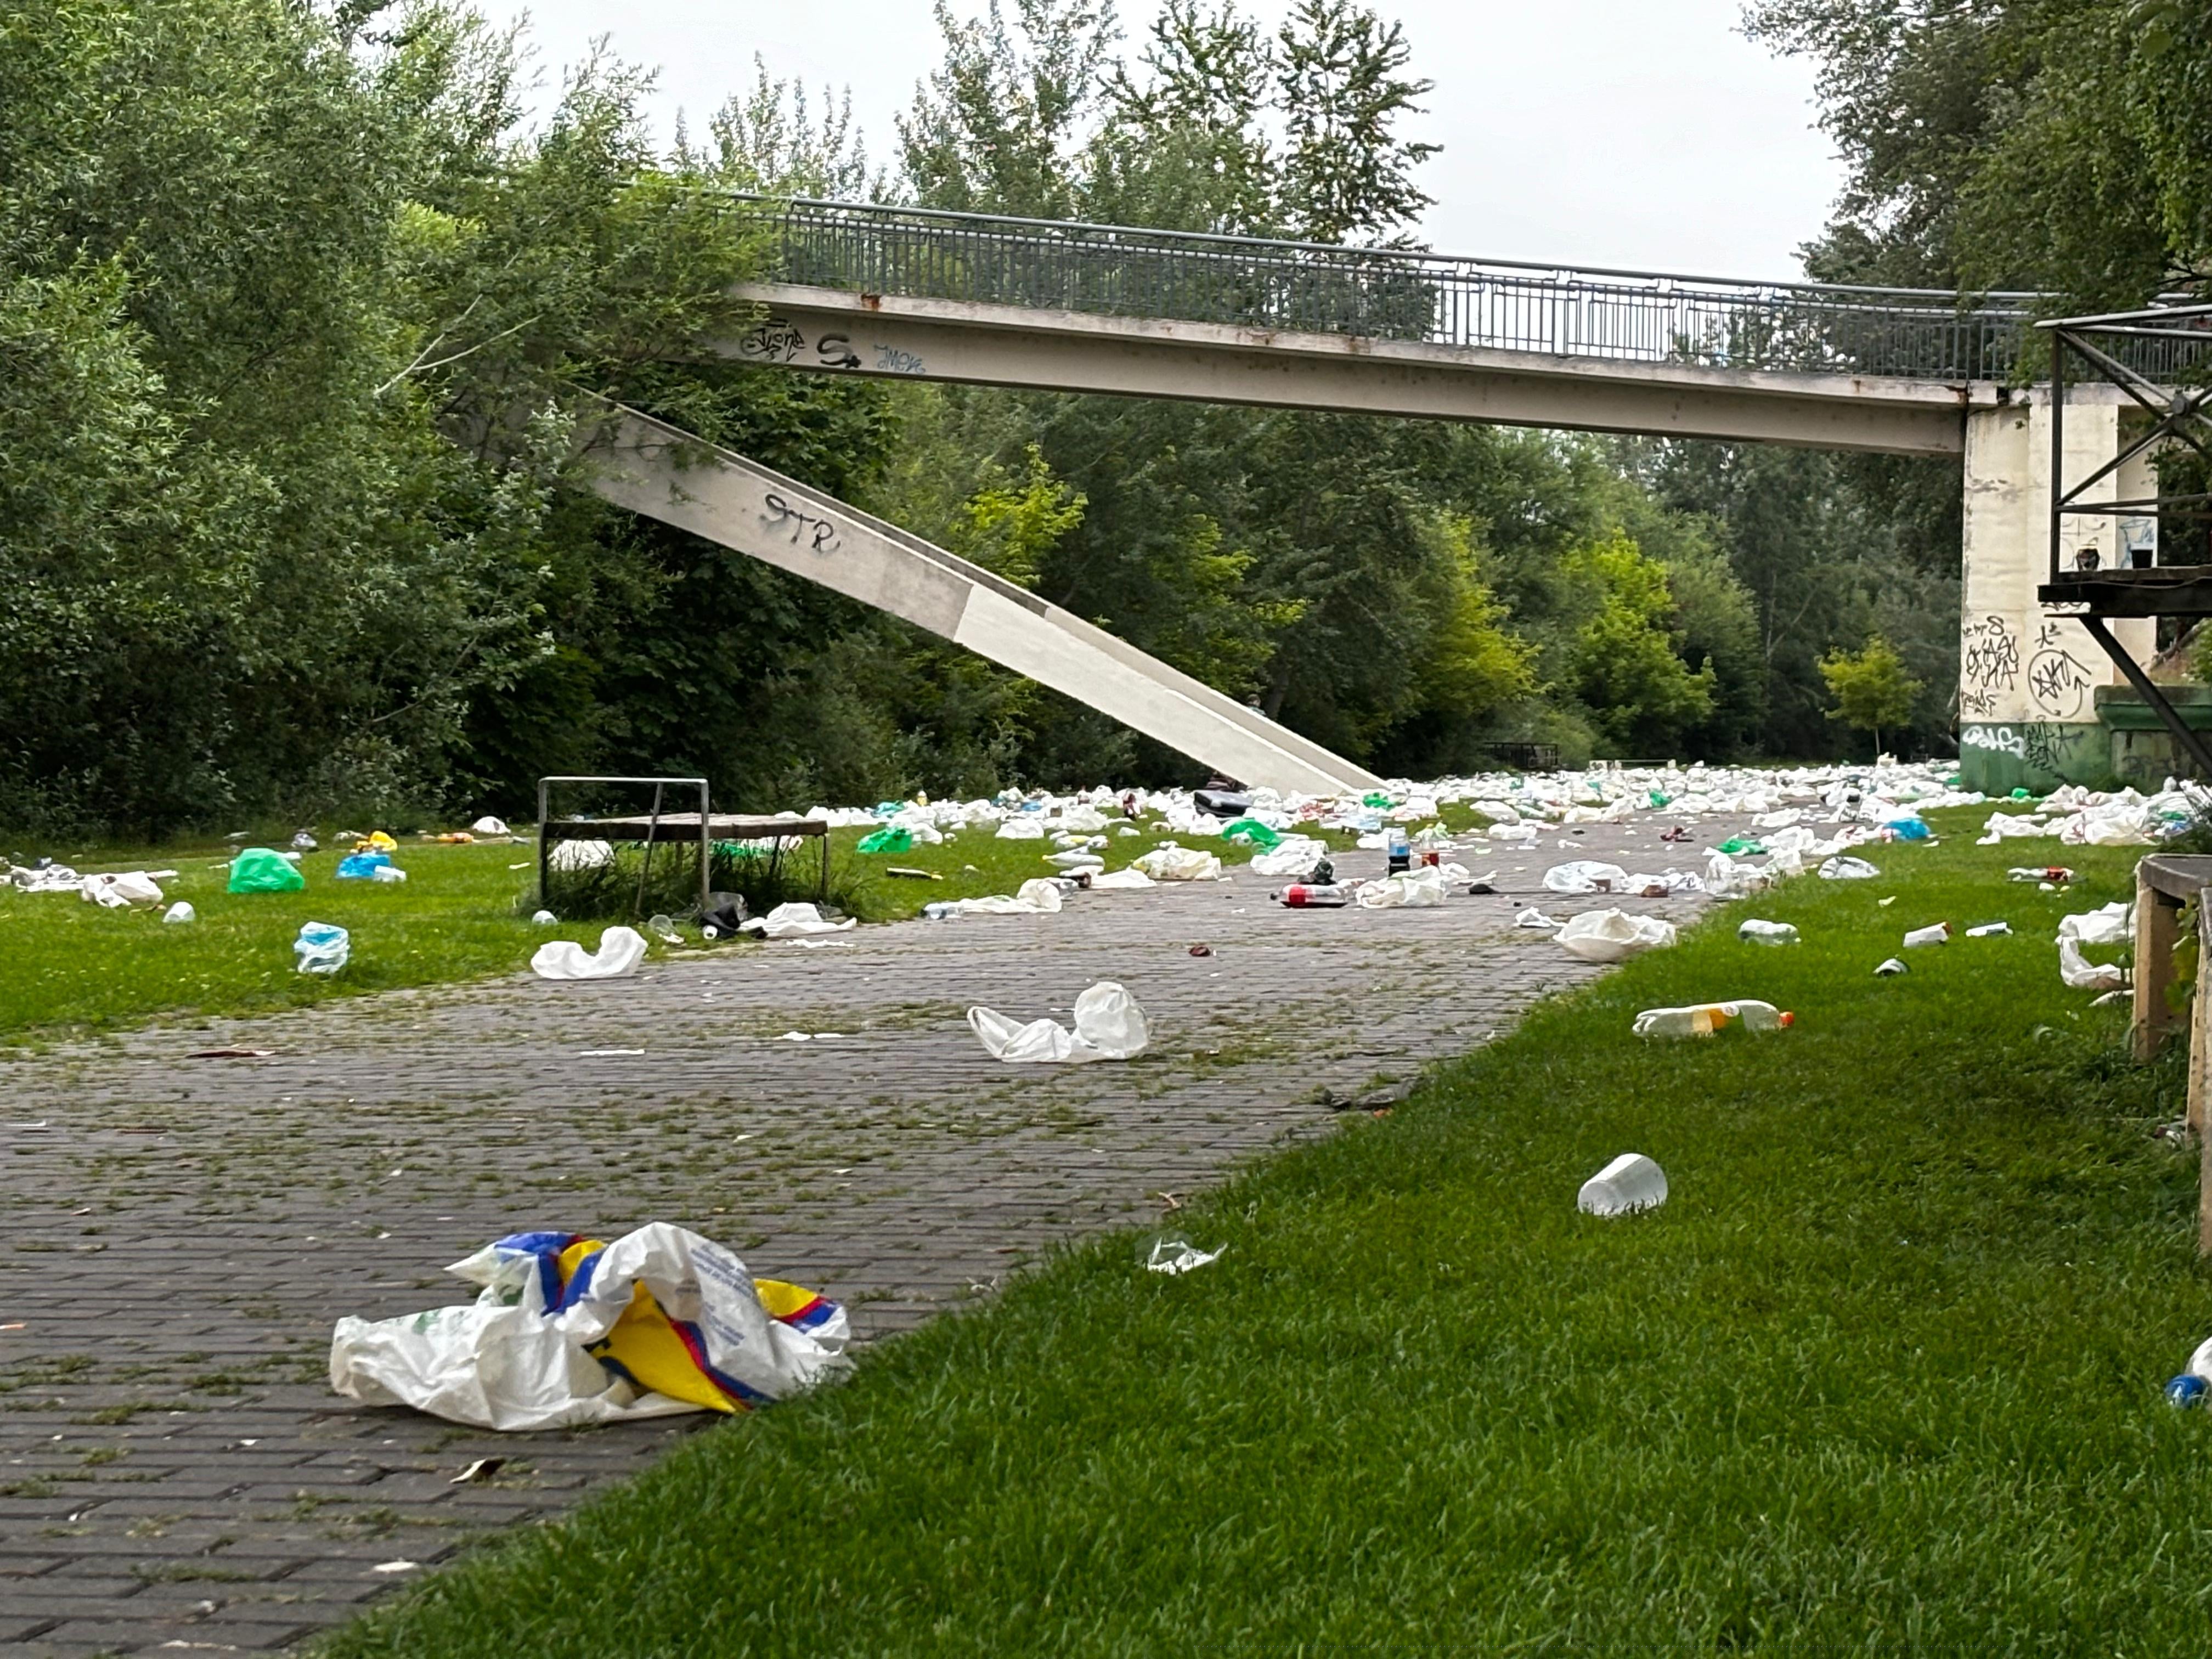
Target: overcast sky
[[1639, 133]]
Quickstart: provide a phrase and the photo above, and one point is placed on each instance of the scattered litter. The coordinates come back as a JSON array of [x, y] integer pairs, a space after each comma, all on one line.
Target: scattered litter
[[1843, 868], [484, 1467], [1704, 1018], [1631, 1183], [1935, 934], [1120, 881], [1172, 862], [1040, 896], [1989, 930], [664, 929], [605, 1053], [2056, 875], [1894, 965], [569, 856], [2110, 924], [303, 841], [489, 826], [181, 911], [362, 866], [1756, 932], [1532, 917], [544, 919], [819, 943], [1613, 935], [2185, 1390], [117, 892], [1585, 876], [795, 921], [1108, 1025], [1413, 889], [396, 1566], [258, 870], [1179, 1256], [911, 874], [321, 948], [888, 839], [1201, 949], [2108, 997], [680, 1322], [2077, 973], [621, 948], [1314, 895], [1885, 902], [230, 1054]]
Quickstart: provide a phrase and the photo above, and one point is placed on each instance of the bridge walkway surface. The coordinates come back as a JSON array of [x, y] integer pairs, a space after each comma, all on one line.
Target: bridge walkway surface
[[175, 1473]]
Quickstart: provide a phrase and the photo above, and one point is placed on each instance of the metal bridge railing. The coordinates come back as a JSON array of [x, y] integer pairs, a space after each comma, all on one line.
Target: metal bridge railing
[[1397, 294]]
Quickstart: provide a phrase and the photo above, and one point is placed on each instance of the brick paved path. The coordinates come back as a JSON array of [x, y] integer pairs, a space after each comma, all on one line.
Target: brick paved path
[[175, 1475]]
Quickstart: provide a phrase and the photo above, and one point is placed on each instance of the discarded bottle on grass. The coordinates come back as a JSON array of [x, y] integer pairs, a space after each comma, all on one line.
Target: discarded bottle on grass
[[941, 911], [2187, 1390], [1989, 930], [1631, 1183], [1704, 1018], [1755, 931], [1939, 933], [1311, 896]]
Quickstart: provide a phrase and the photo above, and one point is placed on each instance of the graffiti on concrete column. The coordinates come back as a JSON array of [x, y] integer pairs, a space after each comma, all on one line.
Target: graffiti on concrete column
[[2035, 745], [1988, 664], [2056, 680]]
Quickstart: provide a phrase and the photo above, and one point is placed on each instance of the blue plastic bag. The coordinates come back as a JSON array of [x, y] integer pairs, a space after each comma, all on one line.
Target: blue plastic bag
[[361, 867]]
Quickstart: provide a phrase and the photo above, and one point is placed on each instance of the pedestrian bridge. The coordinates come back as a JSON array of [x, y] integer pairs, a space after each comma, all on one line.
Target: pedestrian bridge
[[918, 293]]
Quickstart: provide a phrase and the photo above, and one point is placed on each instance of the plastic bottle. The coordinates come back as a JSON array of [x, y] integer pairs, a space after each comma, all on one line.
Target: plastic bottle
[[1631, 1183], [1703, 1019], [1939, 933], [1400, 851], [941, 911], [1756, 932], [1308, 895]]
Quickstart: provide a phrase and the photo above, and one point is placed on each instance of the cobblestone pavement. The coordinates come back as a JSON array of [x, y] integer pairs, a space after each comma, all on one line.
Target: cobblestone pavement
[[175, 1475]]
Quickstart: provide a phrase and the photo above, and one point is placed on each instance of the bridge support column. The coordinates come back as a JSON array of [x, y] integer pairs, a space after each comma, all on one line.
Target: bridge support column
[[2028, 679]]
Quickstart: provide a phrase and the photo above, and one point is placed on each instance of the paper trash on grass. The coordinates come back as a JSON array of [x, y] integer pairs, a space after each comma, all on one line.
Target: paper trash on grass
[[2109, 924], [2078, 972], [181, 911], [1613, 935], [621, 948], [1108, 1025], [1179, 1256], [1631, 1183], [679, 1321]]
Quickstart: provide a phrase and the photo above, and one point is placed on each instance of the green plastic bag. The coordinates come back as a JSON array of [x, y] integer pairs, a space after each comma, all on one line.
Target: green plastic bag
[[1739, 844], [1252, 833], [890, 839], [257, 870], [1375, 801]]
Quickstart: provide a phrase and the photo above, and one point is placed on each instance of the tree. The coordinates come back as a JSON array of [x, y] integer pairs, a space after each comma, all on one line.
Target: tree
[[1622, 661], [1870, 687]]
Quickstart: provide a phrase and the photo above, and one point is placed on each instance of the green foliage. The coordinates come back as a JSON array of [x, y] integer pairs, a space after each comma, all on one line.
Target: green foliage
[[1009, 529], [1621, 662], [1870, 687]]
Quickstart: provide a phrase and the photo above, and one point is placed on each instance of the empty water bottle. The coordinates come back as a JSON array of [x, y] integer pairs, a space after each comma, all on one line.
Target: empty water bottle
[[1631, 1183], [1704, 1018], [1756, 932], [1400, 851]]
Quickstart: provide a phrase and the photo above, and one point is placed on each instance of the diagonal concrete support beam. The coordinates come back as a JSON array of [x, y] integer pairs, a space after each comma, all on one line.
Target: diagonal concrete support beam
[[665, 473]]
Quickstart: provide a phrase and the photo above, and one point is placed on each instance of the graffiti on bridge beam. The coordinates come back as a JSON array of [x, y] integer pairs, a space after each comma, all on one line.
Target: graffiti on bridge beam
[[1988, 664], [819, 535]]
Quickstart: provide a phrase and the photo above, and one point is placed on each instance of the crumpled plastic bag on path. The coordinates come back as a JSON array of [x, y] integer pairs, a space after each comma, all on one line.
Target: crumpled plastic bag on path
[[2080, 974], [1411, 889], [1037, 897], [2109, 924], [115, 892], [1585, 876], [621, 948], [1108, 1025], [1173, 863], [1614, 935], [679, 1321], [1120, 881], [794, 921]]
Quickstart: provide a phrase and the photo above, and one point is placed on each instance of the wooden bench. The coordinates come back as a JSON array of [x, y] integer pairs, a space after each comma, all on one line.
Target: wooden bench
[[2164, 882], [702, 829]]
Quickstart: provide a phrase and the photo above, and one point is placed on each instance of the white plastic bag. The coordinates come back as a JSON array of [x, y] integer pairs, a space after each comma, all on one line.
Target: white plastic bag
[[114, 892], [2080, 974], [571, 855], [181, 911], [1613, 935], [1038, 896], [795, 921], [1120, 881], [321, 948], [2110, 924], [1585, 876], [1108, 1025], [1025, 826], [1173, 863], [1843, 868], [621, 948], [507, 1362], [1413, 889]]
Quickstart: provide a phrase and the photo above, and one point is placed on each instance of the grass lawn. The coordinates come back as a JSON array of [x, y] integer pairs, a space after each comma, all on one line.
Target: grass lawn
[[73, 968], [1883, 1374]]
